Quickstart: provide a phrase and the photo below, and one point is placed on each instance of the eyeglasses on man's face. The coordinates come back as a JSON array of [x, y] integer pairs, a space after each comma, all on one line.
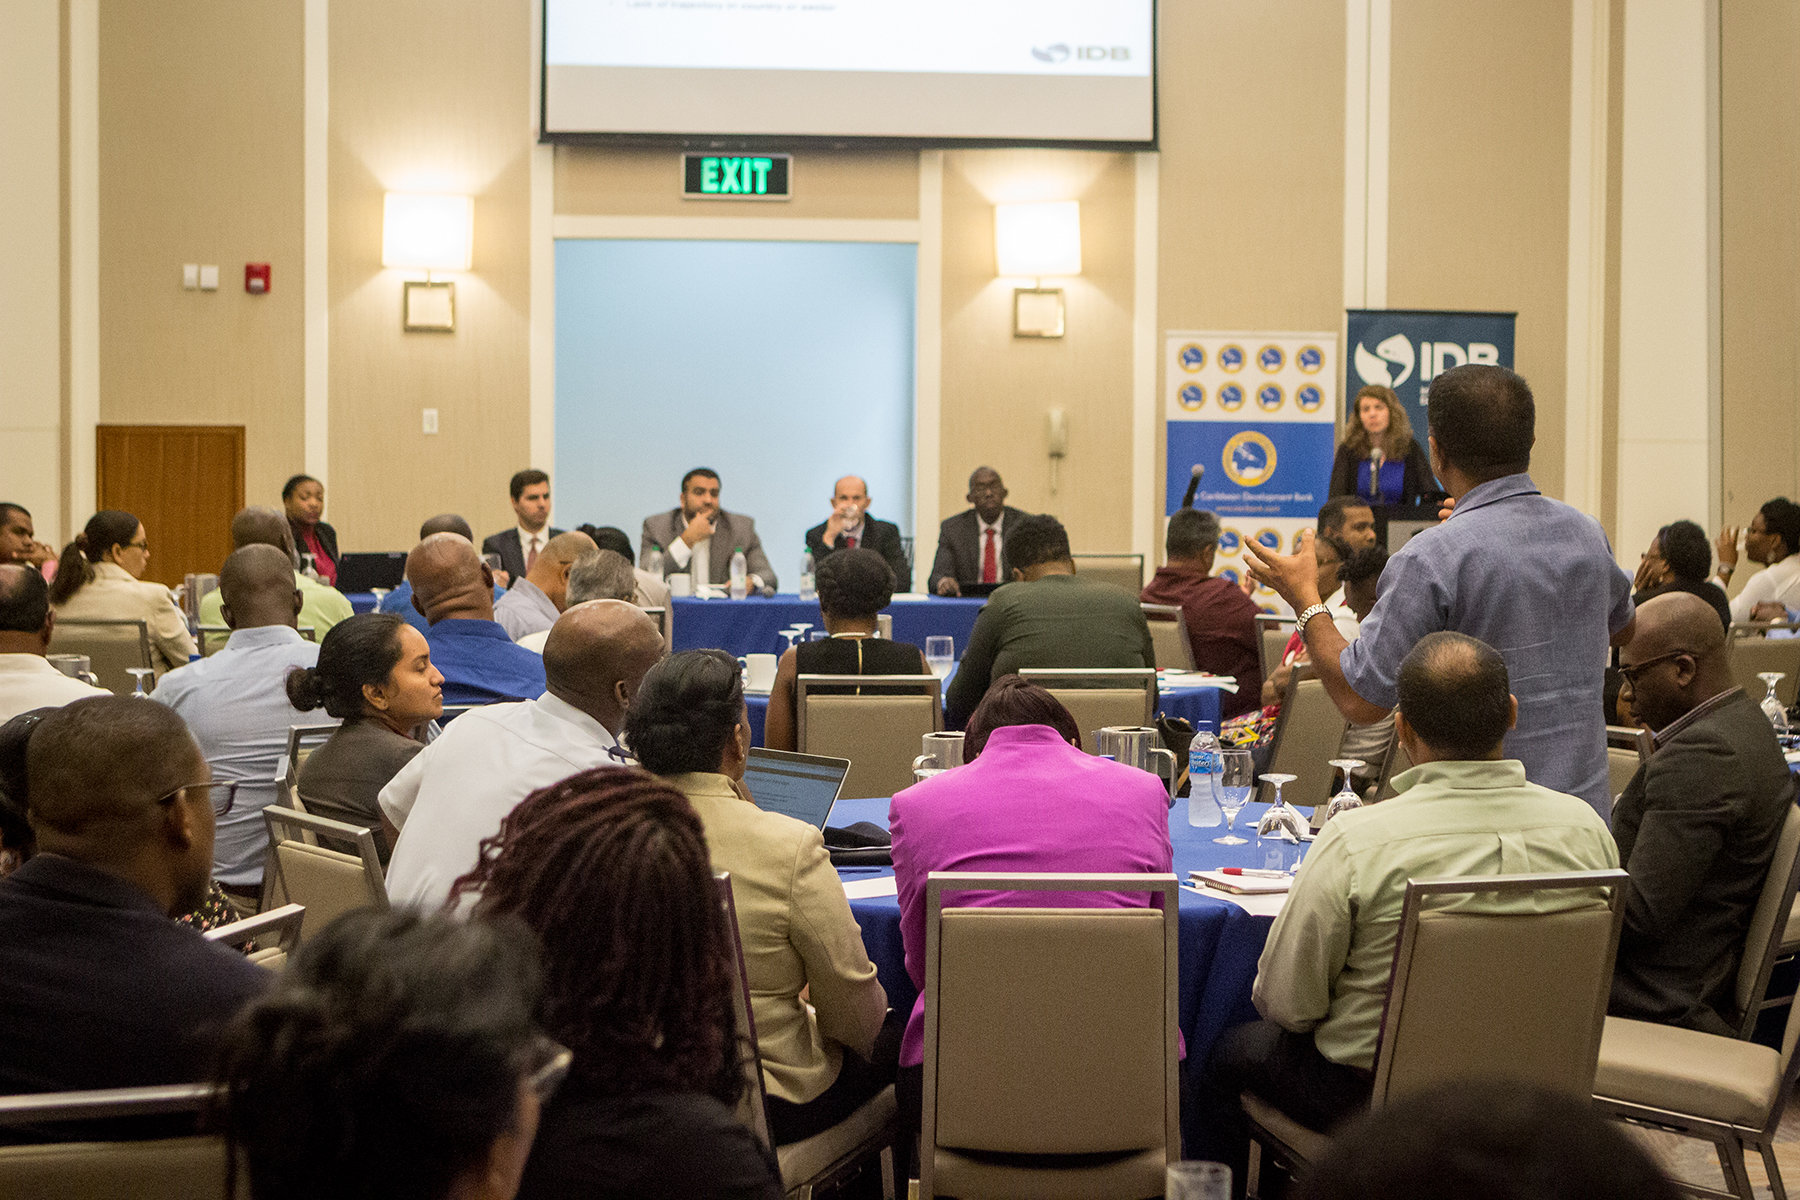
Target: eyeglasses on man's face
[[1630, 674], [222, 795]]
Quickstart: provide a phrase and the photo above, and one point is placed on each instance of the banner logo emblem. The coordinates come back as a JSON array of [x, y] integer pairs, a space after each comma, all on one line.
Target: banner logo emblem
[[1191, 397], [1249, 461], [1231, 397], [1396, 351], [1192, 357], [1231, 358], [1310, 398], [1229, 541], [1270, 396], [1270, 359], [1310, 359]]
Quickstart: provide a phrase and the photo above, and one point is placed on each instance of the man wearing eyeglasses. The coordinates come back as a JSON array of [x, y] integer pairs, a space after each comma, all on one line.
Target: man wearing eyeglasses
[[1698, 823], [236, 704]]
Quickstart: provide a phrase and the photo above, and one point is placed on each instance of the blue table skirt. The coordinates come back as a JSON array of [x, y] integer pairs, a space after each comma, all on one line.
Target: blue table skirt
[[754, 625], [1219, 946], [361, 602]]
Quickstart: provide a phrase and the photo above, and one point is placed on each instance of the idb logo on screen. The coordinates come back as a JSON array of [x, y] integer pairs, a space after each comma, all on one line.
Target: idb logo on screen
[[1192, 357], [1191, 397], [1310, 398], [1249, 459], [1231, 358], [1231, 397], [1270, 397], [1310, 359], [1229, 541], [1394, 360], [1270, 359]]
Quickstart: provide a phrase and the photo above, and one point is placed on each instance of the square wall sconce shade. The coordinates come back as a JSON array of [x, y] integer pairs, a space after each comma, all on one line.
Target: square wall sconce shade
[[427, 232], [1035, 240]]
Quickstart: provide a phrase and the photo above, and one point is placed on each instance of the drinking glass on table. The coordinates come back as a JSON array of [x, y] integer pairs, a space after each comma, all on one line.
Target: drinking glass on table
[[139, 674], [1283, 821], [380, 594], [492, 560], [1772, 707], [1237, 777], [1197, 1181], [940, 655], [1346, 798]]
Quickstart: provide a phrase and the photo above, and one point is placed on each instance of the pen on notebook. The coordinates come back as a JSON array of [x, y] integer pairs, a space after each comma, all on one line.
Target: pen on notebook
[[1257, 872]]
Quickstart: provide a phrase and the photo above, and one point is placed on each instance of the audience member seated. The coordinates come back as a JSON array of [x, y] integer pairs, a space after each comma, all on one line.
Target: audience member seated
[[1379, 422], [99, 986], [457, 790], [375, 675], [652, 591], [1680, 560], [1256, 727], [698, 537], [1049, 617], [850, 527], [304, 499], [519, 547], [399, 601], [236, 705], [27, 680], [321, 606], [1461, 810], [1360, 578], [603, 575], [609, 869], [854, 585], [1486, 1140], [454, 589], [1773, 539], [97, 579], [1026, 799], [813, 992], [972, 544], [538, 597], [18, 539], [1348, 519], [1221, 619], [1698, 823], [17, 842], [397, 1056]]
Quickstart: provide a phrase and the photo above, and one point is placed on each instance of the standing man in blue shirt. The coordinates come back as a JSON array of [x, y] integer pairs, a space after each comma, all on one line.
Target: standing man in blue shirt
[[454, 590], [1530, 576]]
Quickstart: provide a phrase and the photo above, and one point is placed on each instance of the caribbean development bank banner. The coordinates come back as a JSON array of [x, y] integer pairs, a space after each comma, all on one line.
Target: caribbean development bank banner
[[1406, 349], [1258, 412]]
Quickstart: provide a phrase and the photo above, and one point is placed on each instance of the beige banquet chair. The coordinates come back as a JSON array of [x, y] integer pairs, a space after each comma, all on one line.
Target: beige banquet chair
[[1765, 940], [1626, 750], [1123, 571], [1272, 633], [1050, 1041], [1751, 652], [1169, 636], [89, 1164], [113, 647], [1519, 996], [1099, 697], [1306, 738], [275, 934], [875, 721], [326, 881]]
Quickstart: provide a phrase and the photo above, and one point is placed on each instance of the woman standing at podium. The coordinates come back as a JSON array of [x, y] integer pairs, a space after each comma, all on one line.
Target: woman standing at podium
[[1379, 459]]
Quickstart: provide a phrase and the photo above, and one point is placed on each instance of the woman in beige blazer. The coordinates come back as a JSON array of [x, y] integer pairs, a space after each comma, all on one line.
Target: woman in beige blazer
[[97, 579], [820, 1063]]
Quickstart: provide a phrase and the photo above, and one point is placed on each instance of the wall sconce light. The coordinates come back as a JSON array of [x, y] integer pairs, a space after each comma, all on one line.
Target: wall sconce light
[[421, 231], [1036, 240]]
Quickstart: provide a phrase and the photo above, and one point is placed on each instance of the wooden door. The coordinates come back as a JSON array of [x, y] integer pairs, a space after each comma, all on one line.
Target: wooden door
[[184, 482]]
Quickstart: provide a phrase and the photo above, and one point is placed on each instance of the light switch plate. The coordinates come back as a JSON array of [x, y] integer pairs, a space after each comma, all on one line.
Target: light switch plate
[[190, 275], [209, 277], [430, 421]]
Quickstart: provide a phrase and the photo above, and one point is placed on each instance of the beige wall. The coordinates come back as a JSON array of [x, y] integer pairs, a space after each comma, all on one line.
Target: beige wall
[[200, 162]]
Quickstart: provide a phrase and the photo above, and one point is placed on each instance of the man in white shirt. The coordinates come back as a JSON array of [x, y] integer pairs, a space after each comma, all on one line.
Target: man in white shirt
[[604, 575], [1773, 538], [457, 790], [519, 547], [698, 538], [27, 680], [533, 603]]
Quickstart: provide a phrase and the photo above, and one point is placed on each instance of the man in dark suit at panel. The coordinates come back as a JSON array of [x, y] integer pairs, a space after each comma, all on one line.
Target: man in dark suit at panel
[[698, 537], [519, 547], [1698, 823], [850, 526], [972, 544]]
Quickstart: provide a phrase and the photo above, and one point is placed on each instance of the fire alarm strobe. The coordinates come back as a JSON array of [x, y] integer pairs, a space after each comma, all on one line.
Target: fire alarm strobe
[[256, 278]]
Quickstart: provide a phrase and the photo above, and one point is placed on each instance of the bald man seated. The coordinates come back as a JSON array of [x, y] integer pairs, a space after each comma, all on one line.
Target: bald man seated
[[100, 985], [399, 601], [454, 591], [458, 789], [236, 704], [850, 526], [1698, 823], [534, 601], [321, 605]]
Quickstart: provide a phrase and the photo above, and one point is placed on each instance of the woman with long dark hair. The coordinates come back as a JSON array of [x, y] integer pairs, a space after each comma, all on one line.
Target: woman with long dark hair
[[304, 499], [1378, 421], [99, 578], [609, 868]]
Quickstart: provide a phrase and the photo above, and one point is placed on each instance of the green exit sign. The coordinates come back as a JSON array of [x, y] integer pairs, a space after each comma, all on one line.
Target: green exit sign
[[736, 176]]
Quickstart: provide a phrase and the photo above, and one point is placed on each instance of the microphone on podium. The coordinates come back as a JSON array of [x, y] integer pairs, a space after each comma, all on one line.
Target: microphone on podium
[[1187, 497], [1376, 458]]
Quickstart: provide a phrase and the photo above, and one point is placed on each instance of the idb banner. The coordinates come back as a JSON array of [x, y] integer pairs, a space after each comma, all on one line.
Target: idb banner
[[1406, 349]]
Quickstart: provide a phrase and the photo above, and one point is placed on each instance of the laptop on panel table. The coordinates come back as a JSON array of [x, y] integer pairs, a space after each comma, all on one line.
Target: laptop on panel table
[[802, 786], [361, 571]]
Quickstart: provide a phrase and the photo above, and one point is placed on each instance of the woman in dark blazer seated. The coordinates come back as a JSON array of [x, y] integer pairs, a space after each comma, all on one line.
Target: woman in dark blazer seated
[[304, 498], [1379, 422], [375, 675], [854, 585]]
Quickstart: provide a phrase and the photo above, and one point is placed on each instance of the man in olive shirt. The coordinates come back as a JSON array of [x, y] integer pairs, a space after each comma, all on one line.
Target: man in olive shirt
[[1047, 617]]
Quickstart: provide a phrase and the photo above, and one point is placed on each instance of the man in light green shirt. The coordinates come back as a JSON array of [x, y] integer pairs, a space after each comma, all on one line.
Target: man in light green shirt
[[1463, 810], [321, 607]]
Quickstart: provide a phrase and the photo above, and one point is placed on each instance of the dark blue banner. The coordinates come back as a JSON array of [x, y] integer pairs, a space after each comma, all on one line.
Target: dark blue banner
[[1407, 348]]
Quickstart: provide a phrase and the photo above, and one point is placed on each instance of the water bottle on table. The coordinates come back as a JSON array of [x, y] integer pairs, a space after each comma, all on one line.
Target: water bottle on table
[[740, 574], [653, 561], [1204, 767], [807, 590]]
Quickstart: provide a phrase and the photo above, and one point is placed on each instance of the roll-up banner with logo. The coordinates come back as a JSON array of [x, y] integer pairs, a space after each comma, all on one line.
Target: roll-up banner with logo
[[1258, 412], [1407, 348]]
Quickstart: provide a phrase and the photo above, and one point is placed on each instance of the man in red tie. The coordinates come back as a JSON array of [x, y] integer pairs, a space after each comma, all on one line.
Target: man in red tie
[[972, 544], [850, 526]]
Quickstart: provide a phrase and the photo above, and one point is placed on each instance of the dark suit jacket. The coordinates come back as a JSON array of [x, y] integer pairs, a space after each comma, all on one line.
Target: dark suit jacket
[[342, 778], [1417, 481], [959, 549], [883, 537], [325, 533], [730, 531], [1696, 828], [506, 545]]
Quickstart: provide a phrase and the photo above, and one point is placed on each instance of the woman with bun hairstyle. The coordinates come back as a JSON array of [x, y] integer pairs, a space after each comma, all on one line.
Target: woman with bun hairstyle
[[100, 578], [1378, 421], [375, 675]]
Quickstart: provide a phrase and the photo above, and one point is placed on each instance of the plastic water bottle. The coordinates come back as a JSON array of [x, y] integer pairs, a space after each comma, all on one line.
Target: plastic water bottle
[[807, 590], [653, 560], [1205, 770], [740, 574]]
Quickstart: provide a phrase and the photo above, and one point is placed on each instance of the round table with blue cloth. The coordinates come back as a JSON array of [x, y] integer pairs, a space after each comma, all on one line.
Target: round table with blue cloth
[[1219, 941], [754, 625]]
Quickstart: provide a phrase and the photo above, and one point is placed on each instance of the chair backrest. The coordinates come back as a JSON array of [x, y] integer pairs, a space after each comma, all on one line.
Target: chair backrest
[[1100, 697], [1050, 1031], [879, 733], [1768, 923], [1621, 765], [1398, 763], [1121, 570], [661, 616], [302, 740], [1169, 636], [1306, 739], [1751, 653], [1273, 631], [276, 933], [211, 638], [112, 647], [753, 1105], [453, 711], [327, 882], [1518, 995], [97, 1168]]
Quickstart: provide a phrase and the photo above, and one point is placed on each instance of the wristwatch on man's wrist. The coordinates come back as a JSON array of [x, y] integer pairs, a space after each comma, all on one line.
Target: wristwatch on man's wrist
[[1307, 614]]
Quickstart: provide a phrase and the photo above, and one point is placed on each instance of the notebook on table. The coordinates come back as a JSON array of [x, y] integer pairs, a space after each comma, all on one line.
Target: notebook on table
[[362, 571], [802, 786]]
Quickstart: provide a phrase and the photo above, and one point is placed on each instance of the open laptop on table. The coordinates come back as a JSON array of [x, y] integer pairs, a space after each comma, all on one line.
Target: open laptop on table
[[802, 786], [362, 571]]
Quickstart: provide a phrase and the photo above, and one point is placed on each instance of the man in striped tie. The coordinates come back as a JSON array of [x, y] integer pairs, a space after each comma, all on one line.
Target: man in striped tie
[[972, 544]]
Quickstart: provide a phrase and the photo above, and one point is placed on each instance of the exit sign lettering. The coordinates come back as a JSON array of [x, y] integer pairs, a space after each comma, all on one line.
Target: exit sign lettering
[[736, 176]]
